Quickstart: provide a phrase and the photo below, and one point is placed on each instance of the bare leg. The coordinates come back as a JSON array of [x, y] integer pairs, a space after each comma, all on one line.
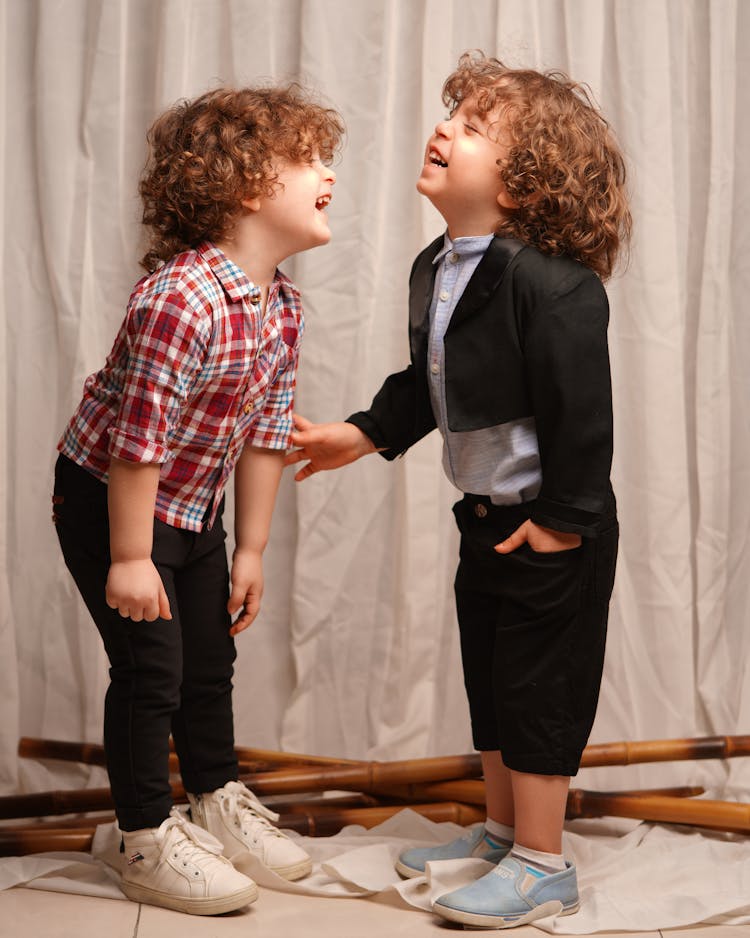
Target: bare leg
[[498, 788], [539, 810]]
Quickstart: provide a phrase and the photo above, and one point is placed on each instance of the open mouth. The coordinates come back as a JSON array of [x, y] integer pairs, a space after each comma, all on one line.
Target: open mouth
[[322, 202], [436, 160]]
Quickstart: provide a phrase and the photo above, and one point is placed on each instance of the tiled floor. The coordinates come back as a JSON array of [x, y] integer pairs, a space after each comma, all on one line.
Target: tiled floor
[[33, 913]]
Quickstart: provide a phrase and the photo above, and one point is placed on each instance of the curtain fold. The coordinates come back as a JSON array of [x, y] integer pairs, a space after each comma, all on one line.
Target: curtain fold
[[355, 652]]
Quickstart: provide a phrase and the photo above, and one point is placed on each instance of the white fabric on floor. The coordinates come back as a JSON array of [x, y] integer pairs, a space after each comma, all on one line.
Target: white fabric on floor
[[631, 876]]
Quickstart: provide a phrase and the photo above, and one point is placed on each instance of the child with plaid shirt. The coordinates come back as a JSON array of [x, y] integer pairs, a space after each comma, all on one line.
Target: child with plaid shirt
[[199, 385]]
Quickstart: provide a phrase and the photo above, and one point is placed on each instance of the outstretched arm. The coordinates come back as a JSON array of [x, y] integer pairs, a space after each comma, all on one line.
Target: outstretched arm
[[326, 445]]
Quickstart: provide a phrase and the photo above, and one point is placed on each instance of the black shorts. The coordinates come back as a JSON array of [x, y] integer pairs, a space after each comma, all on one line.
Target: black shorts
[[533, 629]]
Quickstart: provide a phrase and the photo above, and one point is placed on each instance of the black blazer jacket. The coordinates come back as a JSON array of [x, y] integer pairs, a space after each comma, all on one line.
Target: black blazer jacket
[[528, 338]]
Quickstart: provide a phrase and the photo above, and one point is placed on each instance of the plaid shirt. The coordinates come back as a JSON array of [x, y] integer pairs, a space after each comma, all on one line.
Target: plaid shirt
[[195, 373]]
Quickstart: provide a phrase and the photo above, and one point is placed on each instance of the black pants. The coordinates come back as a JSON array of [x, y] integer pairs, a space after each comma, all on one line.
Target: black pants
[[166, 676], [533, 629]]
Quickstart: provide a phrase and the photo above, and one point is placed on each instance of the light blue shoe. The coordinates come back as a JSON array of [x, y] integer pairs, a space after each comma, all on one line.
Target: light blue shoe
[[511, 894], [477, 843]]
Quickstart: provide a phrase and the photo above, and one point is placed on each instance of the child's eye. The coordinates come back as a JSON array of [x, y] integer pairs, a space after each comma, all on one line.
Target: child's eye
[[470, 128]]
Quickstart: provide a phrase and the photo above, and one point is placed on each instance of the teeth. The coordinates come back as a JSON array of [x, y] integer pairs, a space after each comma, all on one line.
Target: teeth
[[322, 201], [436, 159]]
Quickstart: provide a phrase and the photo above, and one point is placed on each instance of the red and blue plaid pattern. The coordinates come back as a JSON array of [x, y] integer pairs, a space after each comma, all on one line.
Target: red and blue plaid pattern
[[194, 375]]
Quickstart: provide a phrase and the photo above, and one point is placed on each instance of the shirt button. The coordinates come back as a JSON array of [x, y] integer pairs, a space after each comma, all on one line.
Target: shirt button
[[444, 294], [435, 368], [480, 510], [247, 408], [454, 258]]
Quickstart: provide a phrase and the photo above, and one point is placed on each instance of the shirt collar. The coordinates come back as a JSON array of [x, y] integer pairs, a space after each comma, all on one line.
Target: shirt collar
[[466, 247], [233, 279]]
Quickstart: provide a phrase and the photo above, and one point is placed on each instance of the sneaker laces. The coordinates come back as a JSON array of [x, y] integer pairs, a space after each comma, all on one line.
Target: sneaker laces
[[187, 838], [254, 818]]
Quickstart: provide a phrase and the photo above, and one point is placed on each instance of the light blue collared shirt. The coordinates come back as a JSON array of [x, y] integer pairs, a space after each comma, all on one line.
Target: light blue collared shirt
[[503, 461]]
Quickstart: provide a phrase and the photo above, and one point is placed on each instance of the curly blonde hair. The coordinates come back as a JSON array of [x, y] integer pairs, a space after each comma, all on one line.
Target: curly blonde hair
[[209, 154], [564, 170]]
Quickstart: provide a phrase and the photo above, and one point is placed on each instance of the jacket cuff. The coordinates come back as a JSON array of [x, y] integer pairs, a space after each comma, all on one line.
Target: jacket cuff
[[560, 517], [367, 425]]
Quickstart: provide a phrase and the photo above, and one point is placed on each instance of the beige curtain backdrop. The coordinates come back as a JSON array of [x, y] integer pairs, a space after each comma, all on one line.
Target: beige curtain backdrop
[[355, 653]]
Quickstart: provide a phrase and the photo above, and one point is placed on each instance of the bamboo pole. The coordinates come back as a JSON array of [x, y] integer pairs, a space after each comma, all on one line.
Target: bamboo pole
[[471, 791], [663, 805], [597, 755], [90, 821], [19, 842], [665, 750], [251, 760], [715, 815], [289, 758], [446, 778], [87, 753], [353, 800], [75, 801], [369, 778], [360, 777], [326, 823], [467, 791]]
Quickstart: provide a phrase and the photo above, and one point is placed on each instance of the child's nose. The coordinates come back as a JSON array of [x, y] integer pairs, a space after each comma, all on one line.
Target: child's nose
[[443, 127], [327, 174]]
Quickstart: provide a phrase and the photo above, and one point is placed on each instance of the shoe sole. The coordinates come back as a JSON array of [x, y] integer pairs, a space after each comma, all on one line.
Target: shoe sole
[[553, 907], [192, 905], [245, 861], [408, 872], [296, 871]]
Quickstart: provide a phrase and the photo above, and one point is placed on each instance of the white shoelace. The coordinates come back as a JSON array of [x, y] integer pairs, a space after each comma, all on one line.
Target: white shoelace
[[254, 818], [187, 838]]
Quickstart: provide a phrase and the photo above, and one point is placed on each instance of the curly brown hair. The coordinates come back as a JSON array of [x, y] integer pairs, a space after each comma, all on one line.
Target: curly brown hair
[[564, 170], [208, 155]]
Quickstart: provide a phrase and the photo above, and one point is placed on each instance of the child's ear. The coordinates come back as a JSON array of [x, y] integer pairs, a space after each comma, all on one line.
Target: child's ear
[[506, 203], [252, 205]]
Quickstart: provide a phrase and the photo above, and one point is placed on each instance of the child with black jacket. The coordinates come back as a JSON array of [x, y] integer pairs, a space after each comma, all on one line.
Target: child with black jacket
[[509, 360]]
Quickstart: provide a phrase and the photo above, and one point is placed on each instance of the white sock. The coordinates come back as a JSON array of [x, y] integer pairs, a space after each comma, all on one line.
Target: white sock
[[499, 832], [536, 861]]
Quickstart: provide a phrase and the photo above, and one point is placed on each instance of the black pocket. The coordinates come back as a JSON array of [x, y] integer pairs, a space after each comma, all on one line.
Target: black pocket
[[605, 563]]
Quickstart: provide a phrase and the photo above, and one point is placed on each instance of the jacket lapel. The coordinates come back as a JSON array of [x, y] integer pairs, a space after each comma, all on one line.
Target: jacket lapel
[[422, 283], [485, 279]]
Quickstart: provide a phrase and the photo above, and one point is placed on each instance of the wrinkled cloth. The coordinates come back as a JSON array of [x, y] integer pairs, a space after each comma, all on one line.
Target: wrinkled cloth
[[679, 875]]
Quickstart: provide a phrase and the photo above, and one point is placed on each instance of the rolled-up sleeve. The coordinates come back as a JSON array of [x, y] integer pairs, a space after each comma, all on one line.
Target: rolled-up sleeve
[[167, 341], [272, 426]]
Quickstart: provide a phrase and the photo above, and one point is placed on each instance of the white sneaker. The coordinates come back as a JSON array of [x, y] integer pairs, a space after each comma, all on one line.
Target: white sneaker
[[179, 866], [234, 815]]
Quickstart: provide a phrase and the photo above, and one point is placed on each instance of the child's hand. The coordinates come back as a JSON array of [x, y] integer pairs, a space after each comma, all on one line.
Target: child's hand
[[542, 540], [247, 588], [326, 445], [135, 589]]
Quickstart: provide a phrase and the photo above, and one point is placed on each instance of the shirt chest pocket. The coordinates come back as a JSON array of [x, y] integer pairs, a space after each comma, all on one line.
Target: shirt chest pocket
[[272, 357]]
